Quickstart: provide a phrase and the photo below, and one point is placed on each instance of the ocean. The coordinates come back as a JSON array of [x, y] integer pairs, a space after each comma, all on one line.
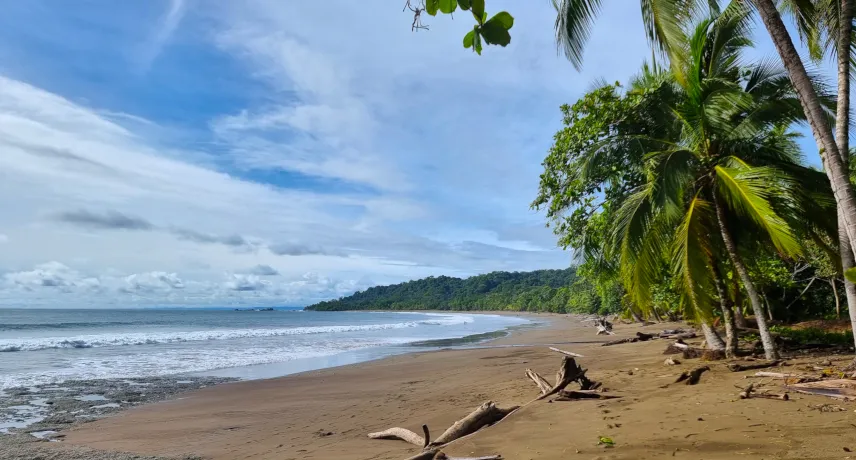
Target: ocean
[[40, 346]]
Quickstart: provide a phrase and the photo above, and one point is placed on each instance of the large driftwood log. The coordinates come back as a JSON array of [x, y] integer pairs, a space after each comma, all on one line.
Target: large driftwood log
[[568, 372], [838, 388], [484, 415], [542, 383], [572, 395], [620, 341], [567, 353], [738, 367]]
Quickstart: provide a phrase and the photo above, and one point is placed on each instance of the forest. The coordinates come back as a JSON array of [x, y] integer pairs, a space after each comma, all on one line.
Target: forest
[[556, 291]]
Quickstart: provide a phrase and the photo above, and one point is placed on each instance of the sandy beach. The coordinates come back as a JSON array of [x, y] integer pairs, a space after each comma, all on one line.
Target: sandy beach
[[326, 414]]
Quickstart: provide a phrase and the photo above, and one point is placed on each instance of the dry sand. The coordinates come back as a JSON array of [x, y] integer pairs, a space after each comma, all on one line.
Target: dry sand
[[326, 414]]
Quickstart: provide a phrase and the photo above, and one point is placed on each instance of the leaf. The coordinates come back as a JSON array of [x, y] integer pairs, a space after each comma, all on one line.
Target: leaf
[[748, 191], [692, 259], [850, 274], [605, 441], [448, 6], [477, 40], [465, 4], [504, 19], [431, 7], [477, 7], [495, 32], [469, 38]]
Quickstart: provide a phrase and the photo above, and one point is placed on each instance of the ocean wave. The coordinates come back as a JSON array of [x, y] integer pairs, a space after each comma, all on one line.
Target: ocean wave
[[153, 338], [71, 325]]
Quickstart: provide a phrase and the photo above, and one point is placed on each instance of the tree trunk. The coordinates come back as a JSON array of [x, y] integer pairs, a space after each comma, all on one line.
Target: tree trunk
[[754, 298], [727, 315], [842, 139], [636, 315], [837, 300], [739, 317], [836, 171], [714, 341], [767, 307]]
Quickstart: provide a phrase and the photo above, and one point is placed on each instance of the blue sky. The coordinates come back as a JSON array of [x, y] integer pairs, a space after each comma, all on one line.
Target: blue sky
[[200, 152]]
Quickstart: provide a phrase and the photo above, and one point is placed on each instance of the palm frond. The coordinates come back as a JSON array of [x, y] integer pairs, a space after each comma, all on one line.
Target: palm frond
[[574, 19], [748, 191], [692, 254]]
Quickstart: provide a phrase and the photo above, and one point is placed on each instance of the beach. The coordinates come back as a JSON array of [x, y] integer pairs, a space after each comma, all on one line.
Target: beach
[[326, 414]]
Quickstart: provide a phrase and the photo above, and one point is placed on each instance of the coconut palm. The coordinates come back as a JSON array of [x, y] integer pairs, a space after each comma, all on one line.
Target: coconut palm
[[662, 23], [734, 166], [819, 24]]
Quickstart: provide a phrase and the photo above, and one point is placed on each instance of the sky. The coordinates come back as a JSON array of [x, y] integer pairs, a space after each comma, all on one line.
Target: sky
[[268, 152]]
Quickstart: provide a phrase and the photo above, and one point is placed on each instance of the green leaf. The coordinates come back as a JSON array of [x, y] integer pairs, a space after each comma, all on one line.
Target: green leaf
[[692, 259], [495, 32], [478, 10], [465, 4], [448, 6], [431, 7], [504, 19], [477, 40], [605, 441], [850, 274], [748, 191], [469, 38]]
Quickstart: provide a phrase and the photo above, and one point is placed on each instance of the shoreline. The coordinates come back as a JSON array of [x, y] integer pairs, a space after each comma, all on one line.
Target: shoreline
[[45, 412], [326, 414]]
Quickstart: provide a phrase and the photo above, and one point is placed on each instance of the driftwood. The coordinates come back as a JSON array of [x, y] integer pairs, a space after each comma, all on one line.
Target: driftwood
[[682, 335], [788, 378], [692, 377], [604, 327], [484, 415], [567, 353], [676, 348], [542, 383], [640, 337], [404, 435], [747, 392], [738, 367], [838, 388], [442, 456], [671, 362], [619, 341], [568, 372], [573, 395]]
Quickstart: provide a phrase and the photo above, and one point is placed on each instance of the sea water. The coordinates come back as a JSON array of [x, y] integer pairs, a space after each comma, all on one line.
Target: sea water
[[39, 346]]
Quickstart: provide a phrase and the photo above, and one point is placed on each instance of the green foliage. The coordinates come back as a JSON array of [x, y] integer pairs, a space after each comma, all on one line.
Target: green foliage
[[814, 336], [558, 291], [493, 31]]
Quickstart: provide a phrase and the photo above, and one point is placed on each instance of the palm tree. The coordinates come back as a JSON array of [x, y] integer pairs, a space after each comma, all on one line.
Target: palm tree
[[662, 23], [732, 161], [820, 27]]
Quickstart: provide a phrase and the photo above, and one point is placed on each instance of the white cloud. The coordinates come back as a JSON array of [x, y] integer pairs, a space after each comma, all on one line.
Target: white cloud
[[153, 281], [165, 28], [365, 154]]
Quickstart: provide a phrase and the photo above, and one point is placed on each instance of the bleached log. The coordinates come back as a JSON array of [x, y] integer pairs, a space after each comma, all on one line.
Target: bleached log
[[484, 415], [568, 353], [542, 383], [403, 434]]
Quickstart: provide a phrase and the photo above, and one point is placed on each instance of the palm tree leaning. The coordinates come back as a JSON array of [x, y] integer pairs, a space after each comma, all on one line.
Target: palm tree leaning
[[826, 28], [662, 20], [731, 160]]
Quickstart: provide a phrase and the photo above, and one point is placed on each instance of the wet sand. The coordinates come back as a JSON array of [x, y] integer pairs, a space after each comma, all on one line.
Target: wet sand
[[326, 414]]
